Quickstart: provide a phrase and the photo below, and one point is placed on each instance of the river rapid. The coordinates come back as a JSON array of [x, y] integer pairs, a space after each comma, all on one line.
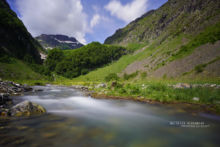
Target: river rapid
[[76, 120]]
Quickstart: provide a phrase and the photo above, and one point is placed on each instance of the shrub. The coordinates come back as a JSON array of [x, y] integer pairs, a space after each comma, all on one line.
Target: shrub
[[82, 60], [143, 75], [111, 77], [130, 76], [200, 68], [54, 57], [6, 59]]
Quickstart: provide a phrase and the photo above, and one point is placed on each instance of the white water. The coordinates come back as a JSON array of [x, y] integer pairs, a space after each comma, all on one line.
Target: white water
[[71, 103]]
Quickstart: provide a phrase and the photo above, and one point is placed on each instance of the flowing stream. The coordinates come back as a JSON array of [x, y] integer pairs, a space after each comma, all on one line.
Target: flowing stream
[[76, 120]]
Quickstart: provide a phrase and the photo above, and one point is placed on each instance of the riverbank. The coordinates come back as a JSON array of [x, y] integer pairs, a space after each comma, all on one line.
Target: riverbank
[[194, 98], [193, 108], [8, 108]]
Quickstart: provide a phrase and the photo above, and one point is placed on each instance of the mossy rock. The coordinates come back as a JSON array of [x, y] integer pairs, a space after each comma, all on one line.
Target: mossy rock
[[27, 108]]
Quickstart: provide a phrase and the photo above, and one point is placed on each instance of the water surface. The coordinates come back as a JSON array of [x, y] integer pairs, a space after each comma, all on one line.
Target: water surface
[[76, 120]]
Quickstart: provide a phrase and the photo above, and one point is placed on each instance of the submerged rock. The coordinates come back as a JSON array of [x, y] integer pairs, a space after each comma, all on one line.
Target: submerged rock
[[27, 108]]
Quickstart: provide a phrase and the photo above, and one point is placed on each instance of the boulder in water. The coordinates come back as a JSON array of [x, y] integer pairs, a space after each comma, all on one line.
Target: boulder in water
[[27, 108]]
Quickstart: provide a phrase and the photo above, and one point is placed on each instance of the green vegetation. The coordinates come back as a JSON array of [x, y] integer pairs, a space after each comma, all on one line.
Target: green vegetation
[[157, 38], [130, 76], [111, 77], [17, 70], [200, 68], [210, 35], [15, 40], [163, 93], [135, 46], [81, 61], [100, 73]]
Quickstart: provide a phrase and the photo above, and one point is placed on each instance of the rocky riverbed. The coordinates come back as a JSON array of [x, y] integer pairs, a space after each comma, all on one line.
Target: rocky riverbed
[[7, 107]]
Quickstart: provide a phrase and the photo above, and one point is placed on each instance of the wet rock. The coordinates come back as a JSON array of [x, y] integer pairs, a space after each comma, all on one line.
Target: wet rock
[[4, 112], [27, 108], [11, 87], [83, 88], [38, 90], [27, 88], [196, 99], [4, 97]]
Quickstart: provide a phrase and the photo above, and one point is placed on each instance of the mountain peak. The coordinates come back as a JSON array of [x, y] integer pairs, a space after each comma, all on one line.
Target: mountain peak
[[49, 41]]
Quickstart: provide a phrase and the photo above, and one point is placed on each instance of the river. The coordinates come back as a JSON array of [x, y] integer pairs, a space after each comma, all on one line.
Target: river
[[77, 120]]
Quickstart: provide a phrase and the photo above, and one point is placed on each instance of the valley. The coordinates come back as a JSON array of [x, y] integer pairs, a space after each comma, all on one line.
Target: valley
[[158, 74]]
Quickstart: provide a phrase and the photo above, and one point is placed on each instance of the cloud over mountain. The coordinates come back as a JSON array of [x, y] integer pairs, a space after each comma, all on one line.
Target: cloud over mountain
[[54, 17]]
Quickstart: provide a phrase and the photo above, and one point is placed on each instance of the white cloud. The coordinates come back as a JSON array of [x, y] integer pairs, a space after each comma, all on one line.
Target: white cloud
[[129, 11], [54, 17], [95, 20]]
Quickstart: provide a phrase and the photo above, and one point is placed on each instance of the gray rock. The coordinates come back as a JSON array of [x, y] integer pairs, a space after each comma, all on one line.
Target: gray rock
[[27, 108], [182, 85], [196, 99], [102, 85], [213, 85], [37, 90]]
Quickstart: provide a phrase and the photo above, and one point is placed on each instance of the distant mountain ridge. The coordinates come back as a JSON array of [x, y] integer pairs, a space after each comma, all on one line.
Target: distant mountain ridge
[[58, 41]]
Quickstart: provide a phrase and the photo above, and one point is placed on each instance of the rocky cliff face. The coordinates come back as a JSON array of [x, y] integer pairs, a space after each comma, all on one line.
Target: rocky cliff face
[[58, 41], [15, 40], [171, 19]]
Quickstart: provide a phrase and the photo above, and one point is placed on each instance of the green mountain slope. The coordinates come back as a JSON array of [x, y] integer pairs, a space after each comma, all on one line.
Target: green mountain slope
[[15, 40], [17, 70], [178, 40], [19, 51], [173, 18]]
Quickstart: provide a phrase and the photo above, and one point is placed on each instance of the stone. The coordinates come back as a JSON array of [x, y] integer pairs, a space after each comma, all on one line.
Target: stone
[[196, 99], [4, 97], [182, 85], [114, 84], [217, 102], [213, 85], [38, 90], [102, 85], [27, 108], [27, 88]]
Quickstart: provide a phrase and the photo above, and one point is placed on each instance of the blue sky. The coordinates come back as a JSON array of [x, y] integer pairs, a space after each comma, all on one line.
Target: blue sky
[[87, 20]]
